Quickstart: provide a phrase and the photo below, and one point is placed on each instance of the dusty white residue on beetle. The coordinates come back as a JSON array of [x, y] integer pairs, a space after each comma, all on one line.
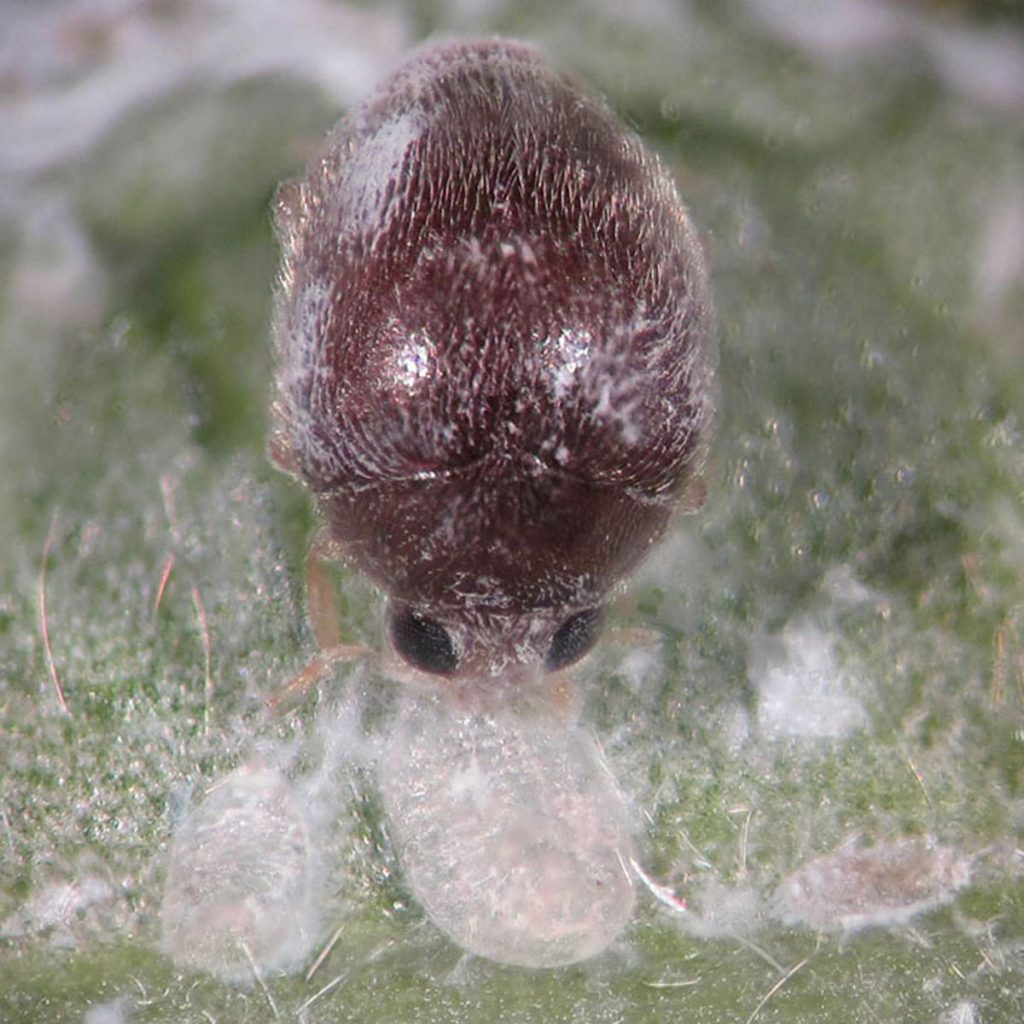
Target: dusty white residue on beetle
[[572, 346], [373, 178]]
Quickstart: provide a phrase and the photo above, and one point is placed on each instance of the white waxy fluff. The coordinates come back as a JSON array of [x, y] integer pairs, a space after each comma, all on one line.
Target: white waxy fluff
[[512, 833], [239, 897]]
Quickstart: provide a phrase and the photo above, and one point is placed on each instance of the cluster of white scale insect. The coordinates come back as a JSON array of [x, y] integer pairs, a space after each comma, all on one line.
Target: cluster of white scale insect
[[511, 832]]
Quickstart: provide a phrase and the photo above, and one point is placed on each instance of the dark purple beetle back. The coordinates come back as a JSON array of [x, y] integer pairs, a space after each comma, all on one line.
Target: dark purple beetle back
[[493, 358]]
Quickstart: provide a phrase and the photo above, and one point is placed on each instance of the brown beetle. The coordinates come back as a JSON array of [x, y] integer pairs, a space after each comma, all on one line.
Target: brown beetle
[[494, 368]]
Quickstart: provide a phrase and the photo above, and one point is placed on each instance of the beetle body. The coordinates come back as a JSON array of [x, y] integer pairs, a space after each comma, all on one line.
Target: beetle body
[[493, 358]]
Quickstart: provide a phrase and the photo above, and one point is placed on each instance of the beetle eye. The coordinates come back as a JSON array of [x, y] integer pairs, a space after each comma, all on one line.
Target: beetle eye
[[424, 643], [574, 638]]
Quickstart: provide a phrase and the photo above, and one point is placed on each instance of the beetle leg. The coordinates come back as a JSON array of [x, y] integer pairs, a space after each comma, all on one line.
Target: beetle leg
[[322, 609], [321, 605], [314, 670]]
